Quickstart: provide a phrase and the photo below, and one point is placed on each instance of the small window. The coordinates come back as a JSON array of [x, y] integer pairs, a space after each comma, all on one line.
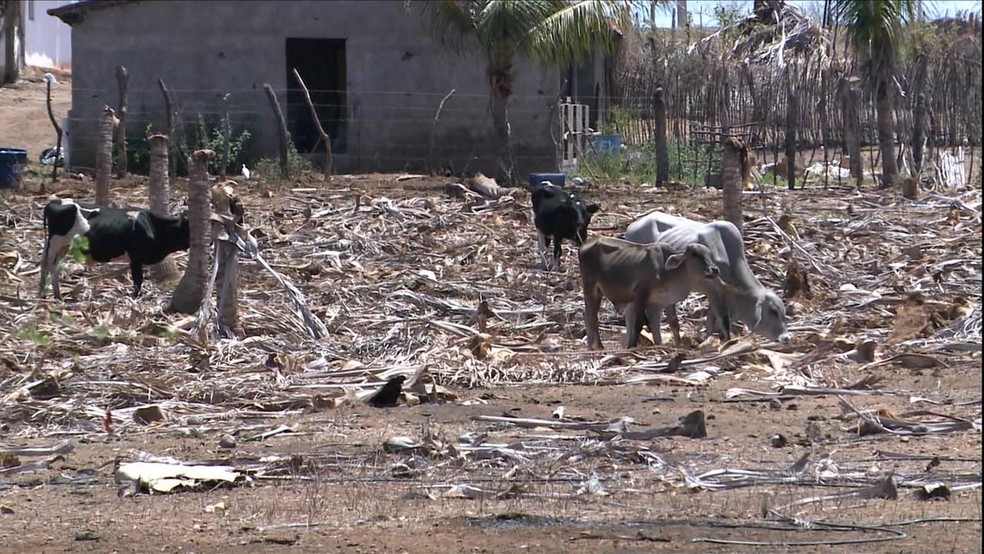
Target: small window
[[30, 10]]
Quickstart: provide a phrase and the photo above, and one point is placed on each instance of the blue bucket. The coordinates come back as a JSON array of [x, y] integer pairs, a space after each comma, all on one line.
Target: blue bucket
[[12, 161], [558, 179]]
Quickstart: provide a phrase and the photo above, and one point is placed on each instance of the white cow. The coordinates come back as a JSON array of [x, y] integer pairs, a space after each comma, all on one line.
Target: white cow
[[741, 296]]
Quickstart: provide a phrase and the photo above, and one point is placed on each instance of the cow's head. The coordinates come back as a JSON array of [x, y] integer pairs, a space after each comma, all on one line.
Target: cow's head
[[770, 317], [698, 260], [582, 214], [179, 231]]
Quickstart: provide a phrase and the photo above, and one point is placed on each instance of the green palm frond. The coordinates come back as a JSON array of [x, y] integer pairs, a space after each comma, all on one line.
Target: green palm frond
[[568, 31], [875, 28], [452, 23], [554, 32]]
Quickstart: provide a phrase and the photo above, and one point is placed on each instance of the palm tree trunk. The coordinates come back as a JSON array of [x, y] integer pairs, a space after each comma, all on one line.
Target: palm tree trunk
[[187, 297], [734, 171], [919, 133], [852, 136], [104, 155], [160, 198], [884, 106], [662, 150], [11, 57], [502, 136]]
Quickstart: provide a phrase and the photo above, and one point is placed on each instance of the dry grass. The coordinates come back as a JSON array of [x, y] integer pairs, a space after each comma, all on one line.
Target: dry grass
[[398, 273]]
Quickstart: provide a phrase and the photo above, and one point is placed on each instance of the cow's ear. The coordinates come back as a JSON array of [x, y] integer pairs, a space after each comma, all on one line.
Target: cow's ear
[[674, 261], [593, 208], [757, 316]]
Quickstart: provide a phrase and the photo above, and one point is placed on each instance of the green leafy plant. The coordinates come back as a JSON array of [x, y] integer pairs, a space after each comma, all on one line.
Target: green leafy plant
[[269, 168], [33, 334], [637, 164], [100, 332], [138, 152], [79, 248]]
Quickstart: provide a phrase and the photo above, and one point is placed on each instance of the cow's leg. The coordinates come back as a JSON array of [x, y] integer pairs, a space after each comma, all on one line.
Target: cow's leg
[[557, 250], [542, 242], [136, 273], [654, 318], [45, 267], [674, 322], [718, 320], [56, 248], [633, 322], [592, 303]]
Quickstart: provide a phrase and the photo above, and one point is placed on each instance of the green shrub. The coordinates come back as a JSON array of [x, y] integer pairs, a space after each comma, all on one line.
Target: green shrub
[[269, 168], [204, 134]]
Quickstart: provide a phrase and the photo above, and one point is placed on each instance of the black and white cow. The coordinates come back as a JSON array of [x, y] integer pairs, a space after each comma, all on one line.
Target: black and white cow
[[558, 215], [738, 295], [113, 234]]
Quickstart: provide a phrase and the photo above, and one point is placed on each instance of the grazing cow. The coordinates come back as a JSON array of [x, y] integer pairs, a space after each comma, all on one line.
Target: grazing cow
[[638, 279], [738, 295], [559, 214], [145, 239]]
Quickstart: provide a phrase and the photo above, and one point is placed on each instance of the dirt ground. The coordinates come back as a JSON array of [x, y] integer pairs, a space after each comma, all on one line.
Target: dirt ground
[[397, 271]]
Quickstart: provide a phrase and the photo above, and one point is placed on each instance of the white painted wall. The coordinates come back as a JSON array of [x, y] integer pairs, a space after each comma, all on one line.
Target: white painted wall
[[48, 41]]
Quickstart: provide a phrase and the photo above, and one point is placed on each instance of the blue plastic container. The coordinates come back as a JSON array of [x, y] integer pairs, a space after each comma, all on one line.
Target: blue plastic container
[[12, 161], [603, 145], [558, 179]]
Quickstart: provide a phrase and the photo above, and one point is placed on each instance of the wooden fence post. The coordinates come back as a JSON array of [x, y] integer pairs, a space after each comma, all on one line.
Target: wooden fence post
[[281, 127]]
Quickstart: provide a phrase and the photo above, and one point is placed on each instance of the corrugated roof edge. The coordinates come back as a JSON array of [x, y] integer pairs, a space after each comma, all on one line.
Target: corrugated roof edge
[[74, 13]]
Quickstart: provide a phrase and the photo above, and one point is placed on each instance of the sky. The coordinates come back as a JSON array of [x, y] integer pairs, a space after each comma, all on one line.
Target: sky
[[702, 11]]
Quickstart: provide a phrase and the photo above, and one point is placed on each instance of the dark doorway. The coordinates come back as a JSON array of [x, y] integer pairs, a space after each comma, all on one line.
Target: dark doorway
[[321, 63]]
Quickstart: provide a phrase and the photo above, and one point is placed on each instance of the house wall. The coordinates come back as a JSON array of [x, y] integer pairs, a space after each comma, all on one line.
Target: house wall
[[48, 40], [396, 78]]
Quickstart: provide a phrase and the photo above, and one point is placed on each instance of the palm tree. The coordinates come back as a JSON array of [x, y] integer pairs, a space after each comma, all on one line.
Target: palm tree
[[555, 33], [188, 295], [104, 155], [160, 198], [875, 30], [735, 172]]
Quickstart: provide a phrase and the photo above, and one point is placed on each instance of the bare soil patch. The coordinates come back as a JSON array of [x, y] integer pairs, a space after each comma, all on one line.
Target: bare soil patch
[[398, 272]]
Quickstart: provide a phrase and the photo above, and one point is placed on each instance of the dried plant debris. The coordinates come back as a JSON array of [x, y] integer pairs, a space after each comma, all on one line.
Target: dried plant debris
[[434, 296]]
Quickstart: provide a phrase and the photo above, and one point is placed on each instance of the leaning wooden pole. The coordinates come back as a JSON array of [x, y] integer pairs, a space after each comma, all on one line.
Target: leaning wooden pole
[[58, 130], [281, 128], [329, 163], [188, 294], [123, 82]]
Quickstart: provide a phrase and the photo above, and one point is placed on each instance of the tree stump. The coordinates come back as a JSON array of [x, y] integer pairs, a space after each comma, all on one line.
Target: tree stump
[[226, 231], [160, 199], [188, 295], [735, 171], [104, 155]]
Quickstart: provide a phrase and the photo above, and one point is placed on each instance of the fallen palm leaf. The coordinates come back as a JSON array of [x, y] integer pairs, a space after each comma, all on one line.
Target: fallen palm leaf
[[159, 477]]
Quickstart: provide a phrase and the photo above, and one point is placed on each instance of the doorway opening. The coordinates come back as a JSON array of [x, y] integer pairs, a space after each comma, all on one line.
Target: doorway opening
[[321, 63]]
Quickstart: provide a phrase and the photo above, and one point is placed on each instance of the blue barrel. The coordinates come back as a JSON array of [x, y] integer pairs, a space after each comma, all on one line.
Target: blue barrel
[[12, 161], [558, 179]]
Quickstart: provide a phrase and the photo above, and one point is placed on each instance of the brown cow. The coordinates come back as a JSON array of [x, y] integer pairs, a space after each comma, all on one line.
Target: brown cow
[[639, 279]]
